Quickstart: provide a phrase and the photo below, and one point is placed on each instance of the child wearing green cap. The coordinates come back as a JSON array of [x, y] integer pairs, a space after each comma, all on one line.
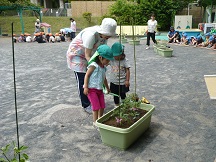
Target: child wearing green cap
[[120, 73], [95, 78]]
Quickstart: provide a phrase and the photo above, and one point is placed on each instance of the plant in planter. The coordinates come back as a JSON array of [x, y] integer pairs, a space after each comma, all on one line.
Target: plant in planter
[[129, 113], [121, 126], [13, 155]]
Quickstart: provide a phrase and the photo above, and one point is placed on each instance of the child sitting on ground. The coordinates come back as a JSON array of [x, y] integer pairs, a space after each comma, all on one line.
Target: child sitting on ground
[[28, 38], [47, 37], [212, 41], [196, 41], [120, 73], [206, 42], [94, 79], [185, 39], [51, 38], [21, 38], [57, 37], [14, 38], [62, 36], [177, 38]]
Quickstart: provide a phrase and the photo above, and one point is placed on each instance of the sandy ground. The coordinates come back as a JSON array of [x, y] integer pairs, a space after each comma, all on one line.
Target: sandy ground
[[56, 129]]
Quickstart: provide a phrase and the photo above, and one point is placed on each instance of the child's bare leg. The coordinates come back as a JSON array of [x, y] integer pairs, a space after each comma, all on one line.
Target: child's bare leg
[[100, 113], [95, 115]]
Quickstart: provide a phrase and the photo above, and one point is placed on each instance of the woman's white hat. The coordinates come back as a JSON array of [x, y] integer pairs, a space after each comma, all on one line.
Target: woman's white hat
[[108, 27]]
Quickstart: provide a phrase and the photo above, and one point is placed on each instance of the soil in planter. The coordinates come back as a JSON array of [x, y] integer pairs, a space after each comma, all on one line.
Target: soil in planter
[[125, 123]]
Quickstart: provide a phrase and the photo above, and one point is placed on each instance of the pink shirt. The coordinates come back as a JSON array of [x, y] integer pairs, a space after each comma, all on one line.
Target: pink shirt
[[87, 38]]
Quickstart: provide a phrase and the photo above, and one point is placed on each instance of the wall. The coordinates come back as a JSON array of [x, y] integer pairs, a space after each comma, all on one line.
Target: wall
[[196, 13], [97, 8]]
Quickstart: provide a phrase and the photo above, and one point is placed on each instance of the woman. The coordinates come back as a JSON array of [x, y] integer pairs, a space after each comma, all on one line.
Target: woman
[[37, 26], [83, 47], [152, 26], [73, 28]]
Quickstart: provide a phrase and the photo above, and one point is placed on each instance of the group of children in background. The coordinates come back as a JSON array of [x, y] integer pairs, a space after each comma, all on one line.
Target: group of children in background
[[208, 40], [40, 37]]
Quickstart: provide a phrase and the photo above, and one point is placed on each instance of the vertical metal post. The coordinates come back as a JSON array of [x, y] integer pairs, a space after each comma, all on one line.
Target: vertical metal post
[[17, 125], [119, 76], [21, 19], [134, 56]]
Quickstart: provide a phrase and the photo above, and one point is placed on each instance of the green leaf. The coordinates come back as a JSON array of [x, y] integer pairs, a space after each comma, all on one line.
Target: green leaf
[[23, 148], [16, 150], [14, 160], [6, 148], [25, 156], [2, 160], [22, 160]]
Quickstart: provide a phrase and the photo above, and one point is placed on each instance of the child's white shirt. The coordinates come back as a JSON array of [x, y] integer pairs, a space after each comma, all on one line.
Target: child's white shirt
[[97, 77]]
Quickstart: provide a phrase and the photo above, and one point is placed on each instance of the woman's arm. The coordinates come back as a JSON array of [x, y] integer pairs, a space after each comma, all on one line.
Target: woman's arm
[[88, 53]]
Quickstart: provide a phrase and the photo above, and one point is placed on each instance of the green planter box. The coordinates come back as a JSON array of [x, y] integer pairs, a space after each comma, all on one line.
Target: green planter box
[[136, 42], [157, 46], [166, 52], [123, 138]]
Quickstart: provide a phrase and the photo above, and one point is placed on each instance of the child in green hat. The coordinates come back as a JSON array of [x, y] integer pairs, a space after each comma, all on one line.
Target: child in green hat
[[120, 73], [94, 79]]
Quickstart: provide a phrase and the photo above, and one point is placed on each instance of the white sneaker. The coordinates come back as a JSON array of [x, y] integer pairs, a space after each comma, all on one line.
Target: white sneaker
[[147, 47], [88, 109]]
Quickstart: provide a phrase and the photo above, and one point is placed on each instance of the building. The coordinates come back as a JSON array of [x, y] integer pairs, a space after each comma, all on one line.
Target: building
[[49, 3]]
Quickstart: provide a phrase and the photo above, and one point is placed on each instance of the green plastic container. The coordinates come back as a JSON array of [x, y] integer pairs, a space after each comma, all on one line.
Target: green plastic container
[[136, 42], [123, 138], [166, 52], [155, 48]]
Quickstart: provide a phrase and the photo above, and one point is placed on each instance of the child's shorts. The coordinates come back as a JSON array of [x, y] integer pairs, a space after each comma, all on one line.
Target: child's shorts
[[96, 97]]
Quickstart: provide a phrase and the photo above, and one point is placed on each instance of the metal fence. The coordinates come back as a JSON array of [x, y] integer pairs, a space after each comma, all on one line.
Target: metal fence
[[54, 12], [44, 12]]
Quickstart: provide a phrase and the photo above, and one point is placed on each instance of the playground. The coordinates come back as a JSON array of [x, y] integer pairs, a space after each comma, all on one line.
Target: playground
[[55, 128]]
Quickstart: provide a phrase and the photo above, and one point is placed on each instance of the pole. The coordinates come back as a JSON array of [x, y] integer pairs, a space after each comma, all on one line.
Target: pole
[[188, 8], [134, 56], [17, 125], [21, 19], [119, 90], [211, 12]]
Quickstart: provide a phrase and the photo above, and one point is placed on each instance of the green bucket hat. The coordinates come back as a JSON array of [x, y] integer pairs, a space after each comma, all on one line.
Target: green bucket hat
[[104, 51], [117, 49]]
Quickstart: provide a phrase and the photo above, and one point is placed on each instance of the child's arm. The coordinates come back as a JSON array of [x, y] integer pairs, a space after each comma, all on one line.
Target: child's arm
[[127, 81], [106, 85], [86, 79]]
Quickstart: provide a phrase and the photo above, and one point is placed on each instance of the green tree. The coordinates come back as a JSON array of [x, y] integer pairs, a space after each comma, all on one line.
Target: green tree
[[23, 3], [5, 3], [123, 11], [140, 11], [204, 4]]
